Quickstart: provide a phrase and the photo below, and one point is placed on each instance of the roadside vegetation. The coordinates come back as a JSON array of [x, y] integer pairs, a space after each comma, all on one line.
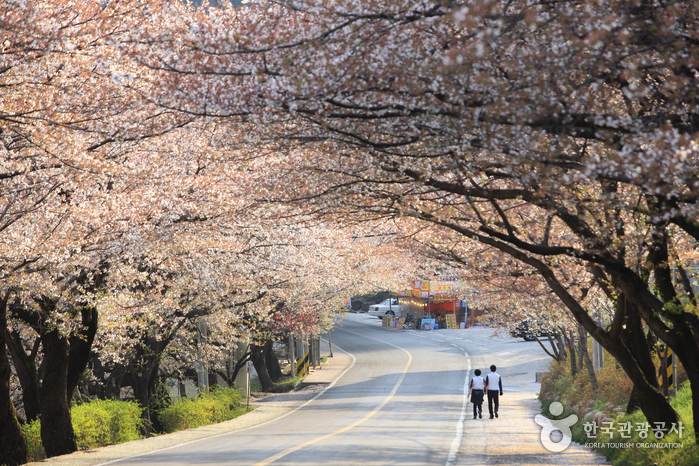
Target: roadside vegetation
[[96, 424], [217, 405], [110, 422], [604, 410]]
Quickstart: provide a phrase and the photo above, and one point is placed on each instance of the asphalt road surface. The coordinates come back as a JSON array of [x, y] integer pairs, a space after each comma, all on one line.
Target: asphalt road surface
[[398, 399]]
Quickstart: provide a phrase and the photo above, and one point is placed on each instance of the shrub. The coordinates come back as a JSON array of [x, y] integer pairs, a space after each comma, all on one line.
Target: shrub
[[106, 422], [35, 448], [96, 424], [217, 405], [576, 393]]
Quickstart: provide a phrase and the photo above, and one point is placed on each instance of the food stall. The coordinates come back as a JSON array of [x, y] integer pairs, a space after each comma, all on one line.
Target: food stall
[[435, 304]]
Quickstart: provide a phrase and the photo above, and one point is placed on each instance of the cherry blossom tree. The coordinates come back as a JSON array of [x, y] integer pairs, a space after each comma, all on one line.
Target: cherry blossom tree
[[61, 228], [146, 151], [563, 134]]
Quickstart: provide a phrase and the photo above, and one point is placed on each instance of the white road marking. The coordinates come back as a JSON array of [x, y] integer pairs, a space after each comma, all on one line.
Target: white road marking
[[456, 443], [354, 360]]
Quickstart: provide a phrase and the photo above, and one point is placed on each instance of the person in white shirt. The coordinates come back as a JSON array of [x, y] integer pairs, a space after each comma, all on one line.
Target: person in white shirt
[[493, 383], [477, 386]]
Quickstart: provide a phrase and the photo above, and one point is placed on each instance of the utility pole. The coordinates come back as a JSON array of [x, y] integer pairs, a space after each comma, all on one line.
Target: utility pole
[[330, 343]]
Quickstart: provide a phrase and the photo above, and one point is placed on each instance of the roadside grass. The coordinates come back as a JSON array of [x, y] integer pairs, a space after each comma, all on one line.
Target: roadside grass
[[576, 395], [620, 437], [672, 449], [287, 382]]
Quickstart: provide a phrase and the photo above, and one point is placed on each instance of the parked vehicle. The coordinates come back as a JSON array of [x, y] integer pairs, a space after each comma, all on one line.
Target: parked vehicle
[[522, 330], [389, 307]]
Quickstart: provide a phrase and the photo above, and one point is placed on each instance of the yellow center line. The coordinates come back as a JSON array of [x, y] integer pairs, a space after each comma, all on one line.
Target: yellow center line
[[354, 424]]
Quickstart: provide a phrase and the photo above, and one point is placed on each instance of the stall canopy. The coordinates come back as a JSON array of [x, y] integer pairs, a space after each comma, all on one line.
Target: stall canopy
[[435, 299]]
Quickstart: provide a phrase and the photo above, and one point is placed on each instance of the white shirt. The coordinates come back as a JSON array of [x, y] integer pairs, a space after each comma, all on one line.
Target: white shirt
[[478, 383], [493, 381]]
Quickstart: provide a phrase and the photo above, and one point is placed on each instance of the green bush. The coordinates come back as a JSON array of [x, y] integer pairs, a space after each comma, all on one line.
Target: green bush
[[217, 405], [33, 433], [106, 422], [96, 424]]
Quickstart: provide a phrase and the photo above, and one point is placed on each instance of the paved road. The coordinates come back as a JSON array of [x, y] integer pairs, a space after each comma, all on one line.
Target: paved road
[[397, 398]]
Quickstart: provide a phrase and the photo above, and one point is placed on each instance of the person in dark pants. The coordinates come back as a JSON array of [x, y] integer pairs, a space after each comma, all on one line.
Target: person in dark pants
[[476, 389], [493, 383]]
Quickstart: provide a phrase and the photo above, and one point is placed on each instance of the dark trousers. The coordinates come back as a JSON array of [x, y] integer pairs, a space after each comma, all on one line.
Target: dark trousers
[[477, 409], [477, 400], [493, 398]]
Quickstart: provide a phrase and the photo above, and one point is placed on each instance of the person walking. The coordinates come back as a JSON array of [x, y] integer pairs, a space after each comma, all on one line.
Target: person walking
[[476, 390], [493, 383]]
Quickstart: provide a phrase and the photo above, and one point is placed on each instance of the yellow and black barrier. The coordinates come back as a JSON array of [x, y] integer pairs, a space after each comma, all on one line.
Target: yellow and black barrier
[[303, 364], [670, 371]]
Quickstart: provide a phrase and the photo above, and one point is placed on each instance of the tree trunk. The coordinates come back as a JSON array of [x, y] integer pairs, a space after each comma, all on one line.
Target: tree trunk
[[581, 331], [143, 385], [239, 365], [13, 442], [143, 370], [27, 373], [684, 350], [632, 405], [679, 337], [570, 340], [109, 380], [258, 360], [694, 385], [159, 399], [140, 393], [272, 363], [560, 337], [57, 433], [112, 389], [653, 403], [635, 339], [585, 356], [81, 348], [555, 352]]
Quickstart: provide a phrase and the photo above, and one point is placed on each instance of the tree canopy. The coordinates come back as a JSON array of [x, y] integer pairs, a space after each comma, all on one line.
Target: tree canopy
[[161, 160], [562, 134]]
